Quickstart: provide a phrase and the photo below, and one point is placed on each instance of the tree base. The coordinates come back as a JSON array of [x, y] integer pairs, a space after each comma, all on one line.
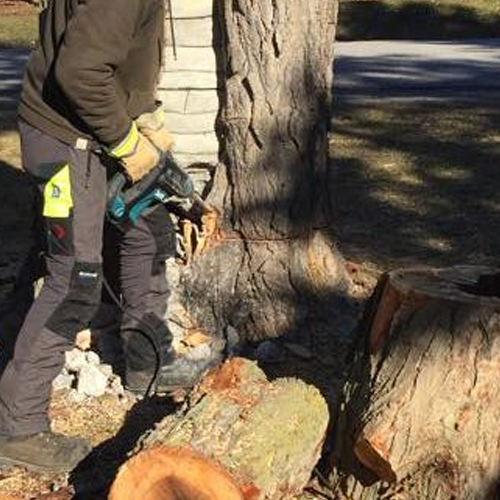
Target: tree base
[[422, 402]]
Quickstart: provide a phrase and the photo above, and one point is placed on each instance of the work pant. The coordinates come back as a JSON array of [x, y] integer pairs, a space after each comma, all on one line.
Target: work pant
[[73, 186]]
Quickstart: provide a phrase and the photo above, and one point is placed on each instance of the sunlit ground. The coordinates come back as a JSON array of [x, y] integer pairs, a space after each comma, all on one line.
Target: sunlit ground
[[417, 183]]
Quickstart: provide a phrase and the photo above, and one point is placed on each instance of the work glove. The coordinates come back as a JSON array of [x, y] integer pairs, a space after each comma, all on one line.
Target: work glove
[[152, 125], [137, 154]]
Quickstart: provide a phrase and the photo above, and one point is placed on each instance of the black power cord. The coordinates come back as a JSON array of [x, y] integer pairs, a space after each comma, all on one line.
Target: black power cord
[[148, 333]]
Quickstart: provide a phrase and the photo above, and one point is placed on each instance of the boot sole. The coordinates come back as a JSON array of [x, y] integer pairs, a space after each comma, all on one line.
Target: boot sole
[[11, 462]]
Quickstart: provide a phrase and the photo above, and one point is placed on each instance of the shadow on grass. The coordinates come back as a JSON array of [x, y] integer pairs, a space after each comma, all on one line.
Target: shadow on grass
[[94, 476], [18, 253], [376, 20], [417, 183]]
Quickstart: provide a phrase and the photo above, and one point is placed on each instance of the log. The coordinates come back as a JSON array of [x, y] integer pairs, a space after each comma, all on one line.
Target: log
[[422, 400], [238, 436], [173, 474]]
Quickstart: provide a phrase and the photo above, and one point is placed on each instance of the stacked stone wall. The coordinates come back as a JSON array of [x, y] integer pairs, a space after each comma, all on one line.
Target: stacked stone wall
[[189, 84]]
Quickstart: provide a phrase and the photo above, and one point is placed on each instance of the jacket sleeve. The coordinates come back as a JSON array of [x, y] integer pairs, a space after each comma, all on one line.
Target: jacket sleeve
[[98, 38]]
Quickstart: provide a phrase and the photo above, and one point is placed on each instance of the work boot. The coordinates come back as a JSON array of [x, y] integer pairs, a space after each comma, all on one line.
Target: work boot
[[179, 373], [43, 452], [182, 373], [148, 344]]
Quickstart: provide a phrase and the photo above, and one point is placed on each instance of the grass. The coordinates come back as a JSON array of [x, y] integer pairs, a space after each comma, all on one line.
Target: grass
[[419, 19], [417, 183], [18, 30]]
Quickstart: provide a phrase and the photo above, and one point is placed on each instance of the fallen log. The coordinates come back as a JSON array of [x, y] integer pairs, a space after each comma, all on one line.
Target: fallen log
[[238, 436], [422, 401]]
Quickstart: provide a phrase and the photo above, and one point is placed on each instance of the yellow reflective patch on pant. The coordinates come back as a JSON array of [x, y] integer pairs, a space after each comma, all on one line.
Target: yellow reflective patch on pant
[[57, 195]]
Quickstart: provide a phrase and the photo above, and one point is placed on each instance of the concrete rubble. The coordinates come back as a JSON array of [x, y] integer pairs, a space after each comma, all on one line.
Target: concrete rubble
[[85, 375]]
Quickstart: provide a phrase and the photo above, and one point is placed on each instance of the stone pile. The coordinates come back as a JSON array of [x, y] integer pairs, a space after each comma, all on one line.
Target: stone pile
[[85, 375]]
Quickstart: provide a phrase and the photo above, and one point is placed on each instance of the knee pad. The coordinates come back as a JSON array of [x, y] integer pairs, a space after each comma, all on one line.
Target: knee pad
[[80, 304]]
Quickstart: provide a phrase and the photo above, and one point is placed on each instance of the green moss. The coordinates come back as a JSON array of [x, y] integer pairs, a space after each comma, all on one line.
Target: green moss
[[287, 424]]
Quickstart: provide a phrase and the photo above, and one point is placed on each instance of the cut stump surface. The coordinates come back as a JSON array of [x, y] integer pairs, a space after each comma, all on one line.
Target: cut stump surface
[[422, 402]]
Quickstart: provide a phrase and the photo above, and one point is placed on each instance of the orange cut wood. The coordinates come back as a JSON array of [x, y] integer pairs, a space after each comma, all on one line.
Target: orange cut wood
[[166, 473]]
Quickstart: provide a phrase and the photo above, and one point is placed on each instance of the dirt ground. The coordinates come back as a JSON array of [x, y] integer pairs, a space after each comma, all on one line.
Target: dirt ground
[[417, 183]]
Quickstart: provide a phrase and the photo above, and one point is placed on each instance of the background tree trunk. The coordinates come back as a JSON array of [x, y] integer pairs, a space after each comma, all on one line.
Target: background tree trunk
[[275, 266], [422, 402]]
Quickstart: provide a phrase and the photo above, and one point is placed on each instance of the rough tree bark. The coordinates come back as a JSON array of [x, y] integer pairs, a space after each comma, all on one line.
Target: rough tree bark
[[274, 266], [237, 437], [422, 402]]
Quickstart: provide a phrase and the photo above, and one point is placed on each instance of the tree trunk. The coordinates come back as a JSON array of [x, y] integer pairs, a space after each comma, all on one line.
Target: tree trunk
[[238, 436], [274, 266], [422, 402]]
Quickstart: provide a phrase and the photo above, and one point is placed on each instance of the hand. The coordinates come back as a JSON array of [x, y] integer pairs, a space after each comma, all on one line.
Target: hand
[[152, 126], [142, 160]]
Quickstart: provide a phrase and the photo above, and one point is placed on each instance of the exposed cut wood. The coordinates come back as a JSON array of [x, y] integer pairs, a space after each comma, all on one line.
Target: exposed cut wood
[[173, 474], [266, 438], [422, 402]]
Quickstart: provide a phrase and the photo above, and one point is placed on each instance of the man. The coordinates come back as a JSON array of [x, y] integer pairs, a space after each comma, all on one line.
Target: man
[[88, 107]]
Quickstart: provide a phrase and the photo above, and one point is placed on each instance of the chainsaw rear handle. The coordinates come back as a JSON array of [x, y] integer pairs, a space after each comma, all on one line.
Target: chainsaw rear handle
[[119, 186], [167, 180], [115, 187]]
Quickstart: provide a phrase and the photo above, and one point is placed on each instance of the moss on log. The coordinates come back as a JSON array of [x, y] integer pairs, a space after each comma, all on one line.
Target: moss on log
[[267, 435]]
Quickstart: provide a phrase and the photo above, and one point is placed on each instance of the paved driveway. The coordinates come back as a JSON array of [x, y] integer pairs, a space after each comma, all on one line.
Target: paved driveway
[[12, 62], [392, 69], [407, 69]]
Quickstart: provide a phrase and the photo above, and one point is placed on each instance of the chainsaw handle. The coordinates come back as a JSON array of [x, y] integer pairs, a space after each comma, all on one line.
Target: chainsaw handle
[[115, 187]]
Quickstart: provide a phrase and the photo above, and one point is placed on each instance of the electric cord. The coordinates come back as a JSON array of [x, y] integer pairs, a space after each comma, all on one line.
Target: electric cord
[[148, 333]]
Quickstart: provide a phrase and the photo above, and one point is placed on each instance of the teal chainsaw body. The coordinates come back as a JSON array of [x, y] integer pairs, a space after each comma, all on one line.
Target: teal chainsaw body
[[165, 182]]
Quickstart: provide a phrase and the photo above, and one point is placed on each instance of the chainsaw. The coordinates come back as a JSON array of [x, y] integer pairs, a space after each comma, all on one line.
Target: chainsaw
[[166, 182]]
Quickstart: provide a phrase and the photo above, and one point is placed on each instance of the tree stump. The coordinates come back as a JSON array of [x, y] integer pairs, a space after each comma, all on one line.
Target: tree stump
[[238, 436], [422, 402]]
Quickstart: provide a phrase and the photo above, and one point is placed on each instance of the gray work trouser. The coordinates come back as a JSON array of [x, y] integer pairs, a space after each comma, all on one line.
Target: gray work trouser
[[73, 186]]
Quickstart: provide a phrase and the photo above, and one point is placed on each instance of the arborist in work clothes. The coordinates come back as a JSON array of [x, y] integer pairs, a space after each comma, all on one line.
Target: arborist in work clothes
[[88, 102]]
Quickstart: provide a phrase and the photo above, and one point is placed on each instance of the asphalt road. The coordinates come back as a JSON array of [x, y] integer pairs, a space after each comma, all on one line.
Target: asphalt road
[[413, 70], [12, 62], [385, 69]]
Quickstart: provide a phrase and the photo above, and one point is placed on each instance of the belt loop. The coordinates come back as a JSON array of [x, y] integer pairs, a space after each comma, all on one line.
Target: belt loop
[[82, 144]]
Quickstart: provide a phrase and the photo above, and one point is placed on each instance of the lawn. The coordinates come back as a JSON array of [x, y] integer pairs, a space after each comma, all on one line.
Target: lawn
[[18, 24], [417, 183], [419, 19]]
